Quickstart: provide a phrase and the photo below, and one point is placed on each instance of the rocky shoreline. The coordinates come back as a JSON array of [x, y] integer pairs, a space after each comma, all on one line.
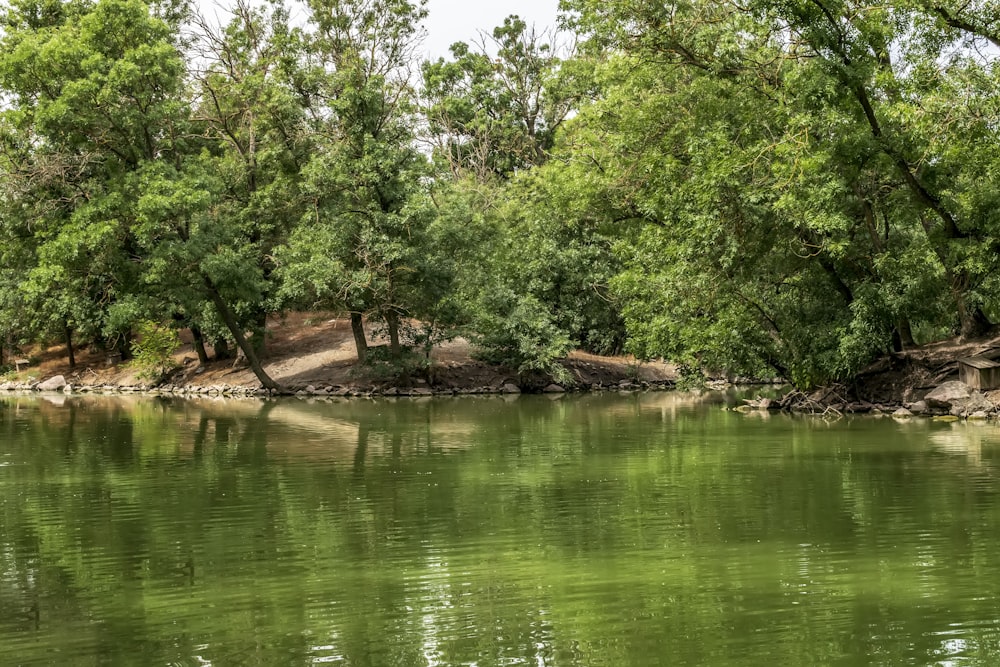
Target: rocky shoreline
[[949, 401], [59, 384]]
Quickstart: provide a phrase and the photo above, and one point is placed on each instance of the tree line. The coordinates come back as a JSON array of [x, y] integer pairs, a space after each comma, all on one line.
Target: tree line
[[769, 187]]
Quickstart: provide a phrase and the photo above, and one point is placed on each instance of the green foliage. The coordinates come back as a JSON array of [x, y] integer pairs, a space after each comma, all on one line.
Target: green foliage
[[529, 281], [153, 350], [804, 198], [494, 108], [784, 188], [383, 367]]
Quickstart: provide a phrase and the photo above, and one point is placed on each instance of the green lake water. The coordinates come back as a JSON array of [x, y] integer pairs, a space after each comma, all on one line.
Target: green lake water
[[641, 529]]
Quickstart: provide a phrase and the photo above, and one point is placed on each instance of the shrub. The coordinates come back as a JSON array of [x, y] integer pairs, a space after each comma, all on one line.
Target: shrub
[[382, 367], [153, 349]]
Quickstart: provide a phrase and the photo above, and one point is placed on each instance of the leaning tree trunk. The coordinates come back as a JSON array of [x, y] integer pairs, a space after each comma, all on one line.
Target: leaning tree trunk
[[229, 318], [360, 341]]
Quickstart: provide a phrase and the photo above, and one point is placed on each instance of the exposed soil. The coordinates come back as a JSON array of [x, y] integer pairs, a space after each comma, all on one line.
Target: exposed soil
[[899, 379], [906, 376], [317, 349]]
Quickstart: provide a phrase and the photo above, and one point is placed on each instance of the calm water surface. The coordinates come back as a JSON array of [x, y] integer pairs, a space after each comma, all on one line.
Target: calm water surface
[[652, 529]]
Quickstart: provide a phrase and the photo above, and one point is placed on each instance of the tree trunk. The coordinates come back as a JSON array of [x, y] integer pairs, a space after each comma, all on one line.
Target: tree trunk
[[360, 341], [69, 346], [260, 320], [905, 333], [222, 351], [973, 320], [197, 340], [124, 346], [198, 343], [392, 322], [229, 318]]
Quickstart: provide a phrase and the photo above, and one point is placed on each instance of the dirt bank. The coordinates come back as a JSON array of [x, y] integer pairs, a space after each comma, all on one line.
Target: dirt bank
[[898, 380], [314, 353]]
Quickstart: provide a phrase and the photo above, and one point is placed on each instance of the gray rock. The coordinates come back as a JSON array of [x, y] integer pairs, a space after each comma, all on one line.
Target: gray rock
[[52, 384], [976, 402], [979, 403], [979, 415], [948, 395], [68, 389], [554, 389], [919, 407], [510, 388], [902, 412]]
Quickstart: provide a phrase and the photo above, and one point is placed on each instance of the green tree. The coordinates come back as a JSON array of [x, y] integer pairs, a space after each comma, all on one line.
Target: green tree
[[495, 107], [357, 245], [92, 94], [795, 179]]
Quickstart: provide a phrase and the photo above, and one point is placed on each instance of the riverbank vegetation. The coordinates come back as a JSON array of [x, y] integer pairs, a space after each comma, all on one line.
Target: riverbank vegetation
[[769, 187]]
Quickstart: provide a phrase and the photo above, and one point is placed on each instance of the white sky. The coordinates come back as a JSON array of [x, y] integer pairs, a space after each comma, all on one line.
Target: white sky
[[451, 21]]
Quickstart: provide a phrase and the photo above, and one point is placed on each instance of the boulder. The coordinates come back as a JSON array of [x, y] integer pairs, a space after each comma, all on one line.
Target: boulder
[[948, 395], [979, 403], [980, 415], [902, 412], [554, 389], [510, 388], [976, 402], [919, 407], [52, 384]]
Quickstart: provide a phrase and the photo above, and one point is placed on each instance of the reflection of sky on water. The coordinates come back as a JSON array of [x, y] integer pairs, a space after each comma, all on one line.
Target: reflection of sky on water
[[964, 438]]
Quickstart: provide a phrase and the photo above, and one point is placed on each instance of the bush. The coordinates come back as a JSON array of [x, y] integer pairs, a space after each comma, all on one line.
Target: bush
[[380, 366], [153, 349]]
